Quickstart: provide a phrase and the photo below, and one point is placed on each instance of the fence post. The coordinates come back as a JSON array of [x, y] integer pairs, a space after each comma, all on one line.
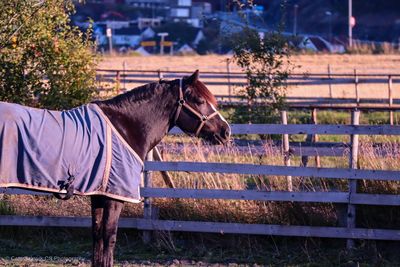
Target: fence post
[[398, 44], [165, 175], [312, 138], [356, 87], [160, 74], [118, 81], [330, 84], [304, 159], [353, 164], [147, 210], [315, 137], [390, 95], [286, 150], [124, 73], [228, 72]]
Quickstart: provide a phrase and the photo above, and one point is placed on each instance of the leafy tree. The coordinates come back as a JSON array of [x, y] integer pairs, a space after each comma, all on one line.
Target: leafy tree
[[214, 41], [45, 61], [264, 57], [265, 61]]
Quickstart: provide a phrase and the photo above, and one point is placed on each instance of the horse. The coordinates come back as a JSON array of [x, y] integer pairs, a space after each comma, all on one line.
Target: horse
[[135, 122]]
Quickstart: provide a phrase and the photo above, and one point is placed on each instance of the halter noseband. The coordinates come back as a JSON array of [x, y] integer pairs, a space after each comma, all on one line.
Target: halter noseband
[[182, 104]]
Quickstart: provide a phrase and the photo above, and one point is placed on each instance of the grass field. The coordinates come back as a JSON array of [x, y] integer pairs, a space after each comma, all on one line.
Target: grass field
[[306, 63], [194, 250], [365, 64]]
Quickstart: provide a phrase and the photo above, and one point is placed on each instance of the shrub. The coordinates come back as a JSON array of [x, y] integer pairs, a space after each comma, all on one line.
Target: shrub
[[46, 62], [264, 57], [265, 60]]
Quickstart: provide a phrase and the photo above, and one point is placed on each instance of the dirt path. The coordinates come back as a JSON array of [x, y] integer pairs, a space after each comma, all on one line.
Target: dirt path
[[80, 262]]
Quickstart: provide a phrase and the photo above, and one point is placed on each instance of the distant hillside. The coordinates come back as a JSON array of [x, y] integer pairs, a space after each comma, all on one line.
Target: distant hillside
[[375, 19]]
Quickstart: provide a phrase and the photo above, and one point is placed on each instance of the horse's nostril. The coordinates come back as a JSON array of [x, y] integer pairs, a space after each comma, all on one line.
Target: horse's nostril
[[226, 133]]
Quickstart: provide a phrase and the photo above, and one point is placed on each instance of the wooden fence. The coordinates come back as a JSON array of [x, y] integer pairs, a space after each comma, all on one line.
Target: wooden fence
[[230, 79], [347, 200], [123, 78]]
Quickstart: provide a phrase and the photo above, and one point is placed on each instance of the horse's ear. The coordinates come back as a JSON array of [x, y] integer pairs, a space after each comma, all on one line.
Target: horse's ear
[[193, 78]]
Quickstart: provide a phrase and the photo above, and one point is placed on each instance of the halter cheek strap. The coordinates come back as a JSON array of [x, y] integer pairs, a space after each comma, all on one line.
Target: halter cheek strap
[[182, 104]]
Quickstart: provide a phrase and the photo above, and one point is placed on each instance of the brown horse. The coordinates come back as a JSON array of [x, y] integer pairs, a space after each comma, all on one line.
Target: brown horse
[[98, 149], [143, 116]]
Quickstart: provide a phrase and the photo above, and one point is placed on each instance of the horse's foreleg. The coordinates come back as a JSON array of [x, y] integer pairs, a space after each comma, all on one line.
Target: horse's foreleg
[[98, 203], [112, 210]]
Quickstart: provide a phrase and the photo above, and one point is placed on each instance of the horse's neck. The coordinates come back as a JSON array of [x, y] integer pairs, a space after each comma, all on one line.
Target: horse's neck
[[143, 124]]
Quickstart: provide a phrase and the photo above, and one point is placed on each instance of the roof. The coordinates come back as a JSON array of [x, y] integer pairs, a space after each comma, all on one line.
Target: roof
[[186, 49], [142, 51], [100, 28], [127, 31], [319, 44], [113, 15]]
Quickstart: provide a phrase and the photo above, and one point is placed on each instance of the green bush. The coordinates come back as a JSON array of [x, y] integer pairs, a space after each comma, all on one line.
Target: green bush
[[45, 61], [265, 60]]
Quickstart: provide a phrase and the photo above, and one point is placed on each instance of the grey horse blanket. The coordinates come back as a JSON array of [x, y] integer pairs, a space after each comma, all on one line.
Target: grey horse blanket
[[41, 149]]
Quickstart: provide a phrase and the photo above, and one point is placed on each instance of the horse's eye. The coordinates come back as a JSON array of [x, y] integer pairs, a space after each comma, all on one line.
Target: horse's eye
[[200, 101]]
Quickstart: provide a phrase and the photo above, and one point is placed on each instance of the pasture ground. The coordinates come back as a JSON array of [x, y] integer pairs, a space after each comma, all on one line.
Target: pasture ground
[[61, 247]]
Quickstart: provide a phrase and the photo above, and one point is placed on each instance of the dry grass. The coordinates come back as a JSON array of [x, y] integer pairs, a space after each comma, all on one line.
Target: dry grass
[[307, 63], [212, 247], [317, 63], [234, 210]]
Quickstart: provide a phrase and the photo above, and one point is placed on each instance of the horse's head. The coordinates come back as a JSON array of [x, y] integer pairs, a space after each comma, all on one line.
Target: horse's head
[[196, 112]]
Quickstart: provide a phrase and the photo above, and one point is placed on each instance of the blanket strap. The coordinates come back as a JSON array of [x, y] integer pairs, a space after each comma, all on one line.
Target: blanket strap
[[68, 186]]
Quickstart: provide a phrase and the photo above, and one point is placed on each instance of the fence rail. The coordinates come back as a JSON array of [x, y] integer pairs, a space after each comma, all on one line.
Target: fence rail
[[334, 173], [299, 149], [320, 197], [310, 129], [239, 79], [210, 227]]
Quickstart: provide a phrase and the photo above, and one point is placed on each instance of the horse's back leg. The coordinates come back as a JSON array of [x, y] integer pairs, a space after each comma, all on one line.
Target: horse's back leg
[[98, 203], [112, 210]]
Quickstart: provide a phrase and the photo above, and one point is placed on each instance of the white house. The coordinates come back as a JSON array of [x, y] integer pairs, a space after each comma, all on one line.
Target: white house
[[186, 50], [99, 32], [199, 36], [319, 44], [314, 43], [141, 51], [148, 33], [129, 37]]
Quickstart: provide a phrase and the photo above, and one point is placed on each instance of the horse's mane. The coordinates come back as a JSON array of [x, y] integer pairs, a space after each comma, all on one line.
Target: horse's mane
[[137, 94], [146, 91], [143, 92], [203, 91]]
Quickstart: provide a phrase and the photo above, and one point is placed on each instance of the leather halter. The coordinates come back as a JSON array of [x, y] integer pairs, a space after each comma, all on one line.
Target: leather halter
[[182, 104]]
